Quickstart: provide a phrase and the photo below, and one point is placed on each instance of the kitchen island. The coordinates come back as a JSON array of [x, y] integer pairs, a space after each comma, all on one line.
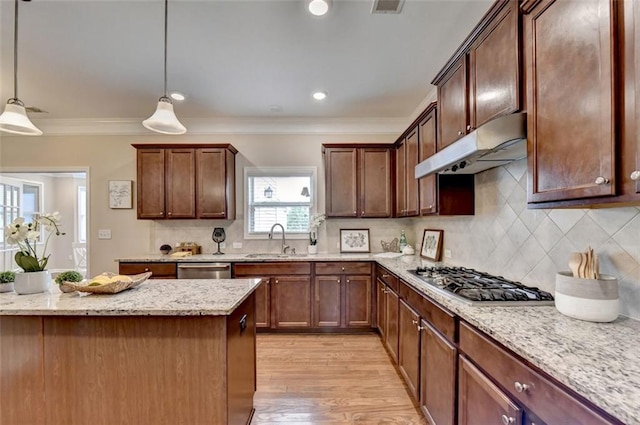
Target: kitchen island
[[165, 352]]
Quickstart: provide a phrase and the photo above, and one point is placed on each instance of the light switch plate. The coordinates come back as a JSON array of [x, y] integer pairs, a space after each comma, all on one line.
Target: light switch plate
[[447, 253], [237, 245], [104, 234]]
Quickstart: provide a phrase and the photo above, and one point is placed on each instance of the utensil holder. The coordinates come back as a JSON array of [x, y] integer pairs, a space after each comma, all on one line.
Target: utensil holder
[[593, 300]]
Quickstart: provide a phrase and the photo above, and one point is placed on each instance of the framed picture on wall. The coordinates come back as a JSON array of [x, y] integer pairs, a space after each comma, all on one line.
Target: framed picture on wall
[[120, 194], [354, 240], [432, 244]]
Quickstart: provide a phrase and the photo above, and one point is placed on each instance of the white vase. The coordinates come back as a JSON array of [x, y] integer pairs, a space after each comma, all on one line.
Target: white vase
[[32, 282], [313, 249], [6, 287]]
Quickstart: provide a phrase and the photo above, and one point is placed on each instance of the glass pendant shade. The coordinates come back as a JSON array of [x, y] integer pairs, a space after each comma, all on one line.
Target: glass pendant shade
[[164, 120], [14, 120]]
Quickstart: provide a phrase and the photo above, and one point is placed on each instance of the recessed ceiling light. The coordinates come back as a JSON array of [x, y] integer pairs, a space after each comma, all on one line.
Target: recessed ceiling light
[[177, 96], [319, 7], [320, 95]]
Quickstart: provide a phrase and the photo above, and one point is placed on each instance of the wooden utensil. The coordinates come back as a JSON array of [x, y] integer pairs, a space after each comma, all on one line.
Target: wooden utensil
[[574, 263], [583, 265]]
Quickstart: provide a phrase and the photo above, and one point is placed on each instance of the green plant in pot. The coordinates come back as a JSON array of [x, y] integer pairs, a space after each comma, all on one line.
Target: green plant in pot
[[68, 276], [6, 281], [32, 255]]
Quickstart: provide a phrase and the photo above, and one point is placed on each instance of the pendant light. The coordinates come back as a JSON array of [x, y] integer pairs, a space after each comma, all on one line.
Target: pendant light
[[164, 120], [14, 119]]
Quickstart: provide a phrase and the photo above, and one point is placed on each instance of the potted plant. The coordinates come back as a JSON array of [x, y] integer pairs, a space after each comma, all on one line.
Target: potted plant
[[314, 223], [34, 276], [68, 276], [6, 281]]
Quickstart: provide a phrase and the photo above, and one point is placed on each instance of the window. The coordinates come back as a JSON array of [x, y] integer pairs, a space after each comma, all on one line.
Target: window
[[81, 202], [9, 208], [279, 195]]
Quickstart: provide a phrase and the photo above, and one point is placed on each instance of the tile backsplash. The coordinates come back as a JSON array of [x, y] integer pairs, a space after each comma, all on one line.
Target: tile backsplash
[[503, 237]]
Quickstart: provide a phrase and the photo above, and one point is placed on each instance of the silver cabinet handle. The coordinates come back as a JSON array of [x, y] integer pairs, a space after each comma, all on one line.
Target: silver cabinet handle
[[385, 276], [521, 388], [635, 176], [415, 322], [468, 128], [601, 180], [506, 420], [460, 133]]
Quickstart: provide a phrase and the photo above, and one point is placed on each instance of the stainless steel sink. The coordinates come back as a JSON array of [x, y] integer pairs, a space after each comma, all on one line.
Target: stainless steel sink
[[267, 255]]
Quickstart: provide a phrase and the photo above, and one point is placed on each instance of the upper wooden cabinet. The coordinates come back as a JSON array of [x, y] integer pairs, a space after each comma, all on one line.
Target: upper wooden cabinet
[[570, 59], [407, 200], [447, 194], [185, 181], [481, 81], [358, 180]]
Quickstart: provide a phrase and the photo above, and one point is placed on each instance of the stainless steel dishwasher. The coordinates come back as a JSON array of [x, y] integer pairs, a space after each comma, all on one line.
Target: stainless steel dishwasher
[[204, 270]]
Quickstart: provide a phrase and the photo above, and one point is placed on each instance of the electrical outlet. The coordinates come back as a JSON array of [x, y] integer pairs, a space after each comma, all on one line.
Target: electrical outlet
[[447, 253], [104, 234], [237, 245], [223, 245]]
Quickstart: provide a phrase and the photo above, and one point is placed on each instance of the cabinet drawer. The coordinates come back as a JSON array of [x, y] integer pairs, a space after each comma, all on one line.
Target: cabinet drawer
[[340, 267], [158, 270], [267, 269], [388, 278], [553, 404], [441, 319]]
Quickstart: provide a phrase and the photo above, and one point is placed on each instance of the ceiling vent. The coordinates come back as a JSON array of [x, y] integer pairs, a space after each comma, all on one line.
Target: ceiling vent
[[387, 6]]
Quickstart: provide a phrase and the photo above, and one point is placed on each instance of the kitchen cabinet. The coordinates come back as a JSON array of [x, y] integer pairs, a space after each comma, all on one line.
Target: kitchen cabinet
[[342, 295], [163, 270], [438, 369], [481, 81], [629, 176], [409, 347], [358, 180], [185, 181], [407, 202], [443, 194], [528, 388], [283, 299], [481, 402], [570, 117], [390, 306]]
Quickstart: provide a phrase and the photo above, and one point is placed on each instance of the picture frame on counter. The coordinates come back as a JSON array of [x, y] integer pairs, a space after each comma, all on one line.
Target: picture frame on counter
[[432, 244], [354, 240], [120, 194]]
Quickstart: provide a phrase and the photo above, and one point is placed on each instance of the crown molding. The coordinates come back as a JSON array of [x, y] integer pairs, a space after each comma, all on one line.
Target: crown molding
[[432, 96], [258, 125]]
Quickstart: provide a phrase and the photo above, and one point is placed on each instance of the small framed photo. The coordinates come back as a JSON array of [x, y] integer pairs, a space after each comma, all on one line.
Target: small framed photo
[[120, 194], [354, 240], [432, 244]]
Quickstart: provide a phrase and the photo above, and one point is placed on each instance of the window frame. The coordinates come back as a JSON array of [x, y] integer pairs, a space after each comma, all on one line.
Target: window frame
[[279, 172]]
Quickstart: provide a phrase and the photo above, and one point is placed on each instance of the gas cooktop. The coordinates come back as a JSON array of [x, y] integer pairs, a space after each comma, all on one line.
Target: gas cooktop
[[478, 288]]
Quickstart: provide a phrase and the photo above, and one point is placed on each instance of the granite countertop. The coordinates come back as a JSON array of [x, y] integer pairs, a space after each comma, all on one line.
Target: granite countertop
[[600, 361], [160, 297]]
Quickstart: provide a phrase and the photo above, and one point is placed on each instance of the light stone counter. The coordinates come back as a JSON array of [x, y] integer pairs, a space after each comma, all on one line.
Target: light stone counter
[[600, 361], [157, 297]]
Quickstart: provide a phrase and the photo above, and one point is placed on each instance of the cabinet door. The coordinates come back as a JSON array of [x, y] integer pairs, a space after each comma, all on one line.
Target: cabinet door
[[180, 183], [263, 305], [381, 311], [341, 182], [427, 147], [453, 105], [291, 306], [401, 182], [480, 402], [391, 331], [494, 69], [357, 301], [569, 58], [409, 347], [411, 183], [150, 187], [438, 360], [630, 174], [375, 182], [211, 183], [327, 303]]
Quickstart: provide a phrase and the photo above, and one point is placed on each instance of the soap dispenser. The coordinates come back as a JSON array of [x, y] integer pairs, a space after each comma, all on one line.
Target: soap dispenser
[[403, 241]]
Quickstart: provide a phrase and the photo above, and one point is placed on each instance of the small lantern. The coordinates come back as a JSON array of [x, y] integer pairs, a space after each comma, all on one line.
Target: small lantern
[[268, 192]]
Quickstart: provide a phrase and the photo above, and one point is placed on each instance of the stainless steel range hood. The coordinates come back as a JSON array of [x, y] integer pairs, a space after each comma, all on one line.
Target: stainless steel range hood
[[498, 142]]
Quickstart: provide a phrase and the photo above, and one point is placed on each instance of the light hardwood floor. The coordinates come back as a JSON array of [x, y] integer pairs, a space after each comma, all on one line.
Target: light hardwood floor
[[329, 379]]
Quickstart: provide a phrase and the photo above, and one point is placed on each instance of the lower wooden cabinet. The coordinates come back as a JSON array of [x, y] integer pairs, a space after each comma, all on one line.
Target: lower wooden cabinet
[[291, 302], [263, 304], [381, 316], [438, 368], [158, 270], [481, 402], [327, 301], [357, 306], [391, 306], [409, 347]]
